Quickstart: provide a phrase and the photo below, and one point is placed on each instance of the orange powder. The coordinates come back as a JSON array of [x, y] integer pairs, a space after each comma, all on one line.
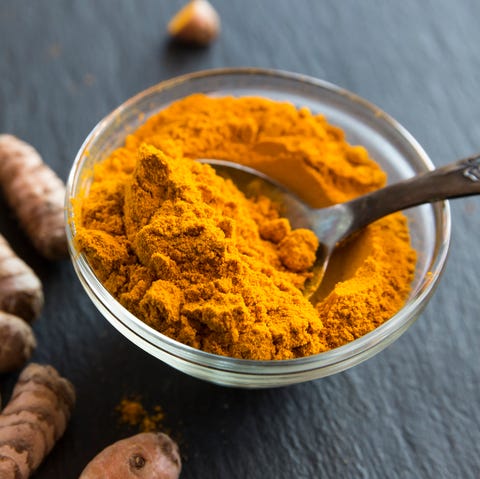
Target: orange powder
[[189, 254]]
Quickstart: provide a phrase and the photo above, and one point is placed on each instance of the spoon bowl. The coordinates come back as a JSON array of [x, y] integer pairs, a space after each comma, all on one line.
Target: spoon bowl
[[336, 223]]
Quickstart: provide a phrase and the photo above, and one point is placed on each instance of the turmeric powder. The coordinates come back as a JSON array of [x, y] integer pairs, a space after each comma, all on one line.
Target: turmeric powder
[[185, 251], [133, 413]]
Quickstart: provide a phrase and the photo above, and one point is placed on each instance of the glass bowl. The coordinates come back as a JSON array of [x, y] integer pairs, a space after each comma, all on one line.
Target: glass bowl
[[389, 143]]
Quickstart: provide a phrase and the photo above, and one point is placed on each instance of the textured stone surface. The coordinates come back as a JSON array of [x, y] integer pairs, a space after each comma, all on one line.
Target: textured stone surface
[[410, 412]]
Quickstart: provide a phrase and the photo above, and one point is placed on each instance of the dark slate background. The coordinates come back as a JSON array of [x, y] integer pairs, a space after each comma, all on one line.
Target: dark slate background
[[410, 412]]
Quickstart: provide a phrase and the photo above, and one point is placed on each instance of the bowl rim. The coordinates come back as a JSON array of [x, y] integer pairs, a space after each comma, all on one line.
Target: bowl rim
[[341, 354]]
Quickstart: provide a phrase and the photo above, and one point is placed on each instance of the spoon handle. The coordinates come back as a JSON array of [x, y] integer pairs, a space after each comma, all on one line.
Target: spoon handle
[[461, 178]]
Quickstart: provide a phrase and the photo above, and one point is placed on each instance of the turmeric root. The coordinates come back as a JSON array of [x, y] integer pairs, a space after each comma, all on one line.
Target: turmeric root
[[21, 291], [36, 194], [33, 420], [196, 23], [17, 342], [146, 455]]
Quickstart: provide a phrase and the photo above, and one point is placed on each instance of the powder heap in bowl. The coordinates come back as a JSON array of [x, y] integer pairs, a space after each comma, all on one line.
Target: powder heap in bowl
[[186, 252]]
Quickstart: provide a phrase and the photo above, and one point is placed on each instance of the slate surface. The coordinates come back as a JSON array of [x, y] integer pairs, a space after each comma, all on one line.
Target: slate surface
[[410, 412]]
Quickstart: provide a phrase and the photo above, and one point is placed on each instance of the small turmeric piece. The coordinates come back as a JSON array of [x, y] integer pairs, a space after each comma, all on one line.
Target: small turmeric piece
[[146, 455], [17, 342], [33, 420], [36, 195], [21, 291], [196, 23]]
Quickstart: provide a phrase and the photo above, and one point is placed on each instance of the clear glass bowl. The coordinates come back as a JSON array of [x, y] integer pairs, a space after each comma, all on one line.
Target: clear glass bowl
[[389, 143]]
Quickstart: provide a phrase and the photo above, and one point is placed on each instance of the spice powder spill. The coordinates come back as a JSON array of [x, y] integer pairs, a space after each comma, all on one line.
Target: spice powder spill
[[185, 251], [132, 412]]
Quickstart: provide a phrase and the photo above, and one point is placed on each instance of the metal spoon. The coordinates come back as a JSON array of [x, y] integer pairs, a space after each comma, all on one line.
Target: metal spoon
[[334, 224]]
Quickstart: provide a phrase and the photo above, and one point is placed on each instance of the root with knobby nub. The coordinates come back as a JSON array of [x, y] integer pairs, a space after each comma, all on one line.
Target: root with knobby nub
[[147, 455], [21, 291], [36, 195], [33, 420]]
